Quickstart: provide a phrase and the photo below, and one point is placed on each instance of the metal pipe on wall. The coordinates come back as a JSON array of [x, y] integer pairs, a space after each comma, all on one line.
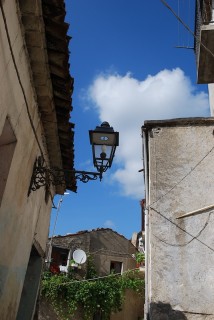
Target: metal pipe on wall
[[145, 159]]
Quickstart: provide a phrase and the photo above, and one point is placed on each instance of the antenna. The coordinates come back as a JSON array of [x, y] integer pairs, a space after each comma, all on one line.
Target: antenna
[[79, 256], [180, 38], [184, 47]]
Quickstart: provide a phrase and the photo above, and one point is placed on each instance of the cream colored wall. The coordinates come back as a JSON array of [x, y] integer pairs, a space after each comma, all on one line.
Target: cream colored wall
[[22, 218], [132, 309], [181, 180]]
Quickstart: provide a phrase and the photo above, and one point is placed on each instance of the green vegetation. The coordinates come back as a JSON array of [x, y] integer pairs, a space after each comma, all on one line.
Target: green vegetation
[[139, 257], [101, 295]]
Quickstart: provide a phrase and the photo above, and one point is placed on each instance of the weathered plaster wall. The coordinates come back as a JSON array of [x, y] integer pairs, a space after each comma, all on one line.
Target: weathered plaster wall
[[78, 241], [82, 241], [132, 307], [109, 246], [104, 245], [22, 218], [181, 174]]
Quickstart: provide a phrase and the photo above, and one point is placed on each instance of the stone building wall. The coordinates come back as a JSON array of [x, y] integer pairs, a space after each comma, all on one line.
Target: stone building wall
[[180, 260]]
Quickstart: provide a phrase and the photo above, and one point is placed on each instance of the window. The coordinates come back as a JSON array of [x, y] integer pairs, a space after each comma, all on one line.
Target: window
[[60, 256], [64, 258], [141, 245], [7, 147], [116, 266]]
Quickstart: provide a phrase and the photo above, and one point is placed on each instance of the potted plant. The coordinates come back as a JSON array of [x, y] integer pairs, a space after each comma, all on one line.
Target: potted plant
[[74, 264], [140, 258]]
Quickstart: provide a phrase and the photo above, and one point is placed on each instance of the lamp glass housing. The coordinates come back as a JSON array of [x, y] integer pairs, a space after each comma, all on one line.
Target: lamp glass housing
[[104, 141]]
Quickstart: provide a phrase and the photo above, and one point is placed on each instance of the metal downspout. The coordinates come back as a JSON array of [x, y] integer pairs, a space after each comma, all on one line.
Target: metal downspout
[[145, 158]]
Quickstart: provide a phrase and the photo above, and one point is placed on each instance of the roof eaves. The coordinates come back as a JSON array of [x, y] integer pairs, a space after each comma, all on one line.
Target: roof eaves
[[46, 38]]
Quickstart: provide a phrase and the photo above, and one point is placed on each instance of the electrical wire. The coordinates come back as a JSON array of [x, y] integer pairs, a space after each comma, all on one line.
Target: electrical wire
[[175, 224], [192, 169], [178, 22], [98, 278], [52, 199], [188, 18], [184, 177], [188, 242], [187, 27], [54, 228]]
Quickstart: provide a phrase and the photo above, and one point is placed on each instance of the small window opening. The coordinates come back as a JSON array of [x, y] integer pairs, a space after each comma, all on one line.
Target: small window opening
[[116, 267], [59, 256]]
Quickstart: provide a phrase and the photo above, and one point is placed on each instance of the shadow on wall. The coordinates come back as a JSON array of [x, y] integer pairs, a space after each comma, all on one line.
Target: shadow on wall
[[164, 311]]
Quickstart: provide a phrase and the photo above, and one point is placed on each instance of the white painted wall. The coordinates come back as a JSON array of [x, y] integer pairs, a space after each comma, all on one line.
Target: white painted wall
[[180, 271]]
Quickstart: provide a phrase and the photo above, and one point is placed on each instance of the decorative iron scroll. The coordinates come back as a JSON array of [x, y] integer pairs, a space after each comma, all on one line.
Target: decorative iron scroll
[[43, 176]]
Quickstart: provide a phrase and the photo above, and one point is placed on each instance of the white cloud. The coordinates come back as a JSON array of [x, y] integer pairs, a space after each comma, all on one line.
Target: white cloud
[[109, 224], [126, 102]]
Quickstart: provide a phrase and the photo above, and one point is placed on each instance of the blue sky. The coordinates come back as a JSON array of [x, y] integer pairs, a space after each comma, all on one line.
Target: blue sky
[[126, 70]]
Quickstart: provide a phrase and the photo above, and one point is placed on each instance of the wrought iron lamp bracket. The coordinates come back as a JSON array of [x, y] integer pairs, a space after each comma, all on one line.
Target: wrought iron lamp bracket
[[43, 176]]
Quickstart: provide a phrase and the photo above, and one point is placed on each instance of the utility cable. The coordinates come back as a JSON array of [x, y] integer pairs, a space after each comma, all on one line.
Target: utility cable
[[54, 228], [186, 26], [188, 43], [178, 22], [184, 177], [98, 278], [173, 187], [192, 169], [188, 242], [175, 224]]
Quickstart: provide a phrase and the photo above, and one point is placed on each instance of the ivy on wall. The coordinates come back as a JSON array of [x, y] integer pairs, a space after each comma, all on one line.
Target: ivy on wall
[[95, 296]]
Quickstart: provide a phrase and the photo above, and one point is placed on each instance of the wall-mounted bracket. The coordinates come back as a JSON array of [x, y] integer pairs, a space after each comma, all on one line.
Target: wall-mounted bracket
[[43, 176]]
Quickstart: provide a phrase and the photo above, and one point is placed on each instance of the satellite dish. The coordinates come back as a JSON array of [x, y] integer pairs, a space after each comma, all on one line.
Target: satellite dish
[[79, 256]]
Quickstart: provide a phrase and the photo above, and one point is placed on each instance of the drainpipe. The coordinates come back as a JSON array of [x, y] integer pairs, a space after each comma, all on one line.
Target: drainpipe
[[211, 98], [145, 159], [212, 21]]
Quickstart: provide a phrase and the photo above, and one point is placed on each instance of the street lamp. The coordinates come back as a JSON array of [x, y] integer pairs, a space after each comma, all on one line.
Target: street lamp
[[104, 141]]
